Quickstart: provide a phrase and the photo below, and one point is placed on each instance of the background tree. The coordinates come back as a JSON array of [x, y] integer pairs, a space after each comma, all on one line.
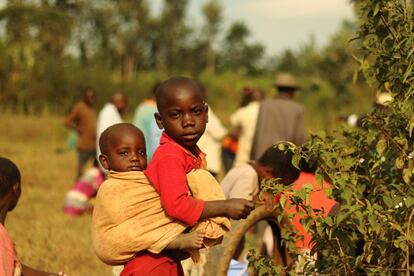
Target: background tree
[[212, 13], [53, 48], [238, 54], [130, 41], [173, 38]]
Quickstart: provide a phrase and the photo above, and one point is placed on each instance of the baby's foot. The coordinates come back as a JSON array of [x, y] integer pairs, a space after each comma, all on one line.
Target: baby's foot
[[192, 240]]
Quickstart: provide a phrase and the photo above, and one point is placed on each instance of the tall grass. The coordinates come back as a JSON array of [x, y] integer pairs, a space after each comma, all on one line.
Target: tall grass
[[45, 238]]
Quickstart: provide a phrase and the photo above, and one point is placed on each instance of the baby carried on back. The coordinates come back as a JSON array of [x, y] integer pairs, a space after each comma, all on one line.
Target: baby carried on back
[[128, 216]]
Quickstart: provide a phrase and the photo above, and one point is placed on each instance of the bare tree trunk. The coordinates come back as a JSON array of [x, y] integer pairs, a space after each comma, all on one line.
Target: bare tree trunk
[[128, 67], [211, 58]]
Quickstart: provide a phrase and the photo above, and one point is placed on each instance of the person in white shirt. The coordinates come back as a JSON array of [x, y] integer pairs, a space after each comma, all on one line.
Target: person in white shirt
[[210, 142], [244, 120], [110, 115]]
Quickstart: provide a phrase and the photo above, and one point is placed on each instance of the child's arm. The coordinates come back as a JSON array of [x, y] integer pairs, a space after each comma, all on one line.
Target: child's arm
[[70, 119], [169, 177], [234, 208]]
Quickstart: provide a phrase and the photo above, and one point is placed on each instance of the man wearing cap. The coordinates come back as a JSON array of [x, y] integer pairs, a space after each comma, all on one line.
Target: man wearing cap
[[280, 118]]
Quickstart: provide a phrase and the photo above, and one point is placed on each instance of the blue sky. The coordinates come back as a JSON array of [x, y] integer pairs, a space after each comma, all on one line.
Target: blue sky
[[279, 24]]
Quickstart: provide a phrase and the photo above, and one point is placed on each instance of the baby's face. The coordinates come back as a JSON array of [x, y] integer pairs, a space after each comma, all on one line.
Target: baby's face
[[127, 152]]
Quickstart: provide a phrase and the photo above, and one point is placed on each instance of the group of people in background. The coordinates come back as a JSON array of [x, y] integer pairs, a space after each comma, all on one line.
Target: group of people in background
[[175, 131], [256, 124], [260, 122]]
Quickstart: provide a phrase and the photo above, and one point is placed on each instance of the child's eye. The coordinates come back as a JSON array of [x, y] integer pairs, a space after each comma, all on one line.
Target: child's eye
[[125, 153], [142, 152], [198, 111], [174, 115]]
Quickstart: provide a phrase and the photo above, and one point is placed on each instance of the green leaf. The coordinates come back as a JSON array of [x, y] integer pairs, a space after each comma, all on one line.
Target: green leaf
[[381, 146], [388, 201], [399, 163], [407, 175], [295, 161], [283, 200], [340, 217], [376, 8], [409, 201], [329, 221], [307, 187], [411, 127], [319, 177], [328, 192]]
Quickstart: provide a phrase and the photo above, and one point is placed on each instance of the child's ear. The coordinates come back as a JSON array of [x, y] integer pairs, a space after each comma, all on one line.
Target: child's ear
[[158, 120], [14, 195], [17, 189], [104, 161]]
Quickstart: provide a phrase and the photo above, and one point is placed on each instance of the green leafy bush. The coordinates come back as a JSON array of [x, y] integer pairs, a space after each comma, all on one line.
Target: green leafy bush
[[371, 169]]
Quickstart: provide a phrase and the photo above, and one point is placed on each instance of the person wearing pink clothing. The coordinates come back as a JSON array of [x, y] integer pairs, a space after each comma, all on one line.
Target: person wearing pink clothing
[[9, 264], [10, 191]]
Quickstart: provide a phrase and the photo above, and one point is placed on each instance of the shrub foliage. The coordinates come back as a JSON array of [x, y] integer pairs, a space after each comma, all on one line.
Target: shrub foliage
[[371, 168]]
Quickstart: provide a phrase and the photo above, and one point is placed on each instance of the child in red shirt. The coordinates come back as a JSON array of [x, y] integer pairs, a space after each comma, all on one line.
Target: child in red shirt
[[182, 113]]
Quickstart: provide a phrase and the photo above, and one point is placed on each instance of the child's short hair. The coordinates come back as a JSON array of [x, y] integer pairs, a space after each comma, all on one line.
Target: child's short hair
[[9, 175], [111, 131], [281, 164], [163, 88]]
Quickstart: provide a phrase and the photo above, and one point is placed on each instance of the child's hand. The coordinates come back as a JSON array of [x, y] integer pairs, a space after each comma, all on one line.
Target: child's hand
[[238, 208]]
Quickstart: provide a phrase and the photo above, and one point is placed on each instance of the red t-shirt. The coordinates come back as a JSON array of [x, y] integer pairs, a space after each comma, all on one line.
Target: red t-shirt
[[149, 264], [167, 173], [318, 200]]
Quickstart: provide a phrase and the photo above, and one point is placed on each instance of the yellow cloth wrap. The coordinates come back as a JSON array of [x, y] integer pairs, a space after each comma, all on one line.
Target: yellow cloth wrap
[[204, 186], [128, 216]]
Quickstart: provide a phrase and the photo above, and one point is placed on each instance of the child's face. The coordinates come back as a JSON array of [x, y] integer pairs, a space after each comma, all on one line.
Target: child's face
[[264, 172], [126, 152], [183, 115]]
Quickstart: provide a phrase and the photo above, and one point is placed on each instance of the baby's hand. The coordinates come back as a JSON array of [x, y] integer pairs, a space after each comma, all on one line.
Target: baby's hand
[[238, 208]]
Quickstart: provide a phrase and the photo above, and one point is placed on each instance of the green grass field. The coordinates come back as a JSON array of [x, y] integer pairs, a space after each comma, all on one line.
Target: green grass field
[[45, 237]]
